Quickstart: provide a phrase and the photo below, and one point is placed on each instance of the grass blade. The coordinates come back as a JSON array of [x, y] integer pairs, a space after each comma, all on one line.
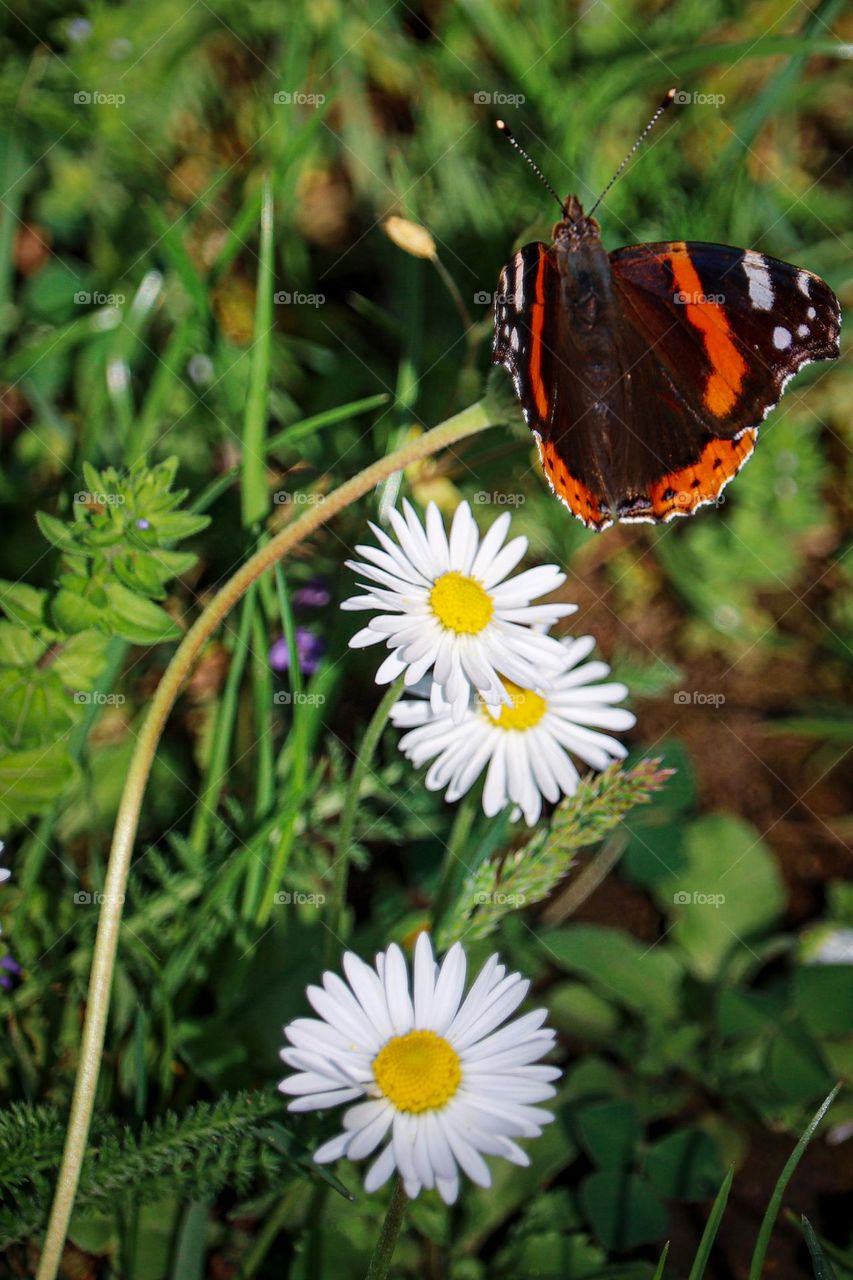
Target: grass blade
[[709, 1235], [823, 1269], [661, 1267], [757, 1264], [254, 493]]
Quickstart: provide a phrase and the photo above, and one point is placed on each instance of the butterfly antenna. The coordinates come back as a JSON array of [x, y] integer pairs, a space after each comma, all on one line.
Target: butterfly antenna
[[513, 141], [618, 174]]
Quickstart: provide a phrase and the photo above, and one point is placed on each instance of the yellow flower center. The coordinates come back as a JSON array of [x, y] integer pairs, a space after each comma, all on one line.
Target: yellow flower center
[[461, 604], [417, 1072], [524, 712]]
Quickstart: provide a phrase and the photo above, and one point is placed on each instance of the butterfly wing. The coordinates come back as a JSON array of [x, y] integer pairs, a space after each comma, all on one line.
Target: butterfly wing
[[729, 328], [528, 342], [748, 322]]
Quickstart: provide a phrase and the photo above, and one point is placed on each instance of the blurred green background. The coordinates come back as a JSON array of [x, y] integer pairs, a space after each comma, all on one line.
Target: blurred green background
[[135, 144]]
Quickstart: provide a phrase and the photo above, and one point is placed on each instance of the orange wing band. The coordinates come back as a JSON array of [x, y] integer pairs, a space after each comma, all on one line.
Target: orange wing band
[[681, 492]]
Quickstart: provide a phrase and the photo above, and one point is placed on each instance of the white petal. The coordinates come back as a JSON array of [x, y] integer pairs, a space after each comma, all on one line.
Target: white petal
[[333, 1149], [504, 562], [380, 1171], [392, 667], [397, 991], [366, 1139], [424, 980], [369, 992], [449, 988]]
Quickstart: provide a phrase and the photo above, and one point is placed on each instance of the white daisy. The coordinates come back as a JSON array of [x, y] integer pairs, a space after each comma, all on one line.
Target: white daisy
[[426, 1069], [525, 744], [446, 605]]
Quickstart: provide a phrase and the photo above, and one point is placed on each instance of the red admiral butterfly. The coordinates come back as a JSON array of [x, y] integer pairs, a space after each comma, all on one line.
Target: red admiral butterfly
[[644, 373]]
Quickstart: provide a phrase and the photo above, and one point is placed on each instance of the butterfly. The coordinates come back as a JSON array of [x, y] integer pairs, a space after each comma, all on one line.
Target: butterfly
[[644, 373]]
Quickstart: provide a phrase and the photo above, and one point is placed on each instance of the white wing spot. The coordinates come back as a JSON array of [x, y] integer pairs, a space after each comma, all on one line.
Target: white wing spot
[[519, 288], [803, 281], [781, 338], [513, 342], [803, 331], [811, 313], [760, 284]]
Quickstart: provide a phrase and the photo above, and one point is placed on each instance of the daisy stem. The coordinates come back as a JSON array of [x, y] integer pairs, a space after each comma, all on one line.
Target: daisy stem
[[384, 1251], [453, 861], [343, 847], [467, 423]]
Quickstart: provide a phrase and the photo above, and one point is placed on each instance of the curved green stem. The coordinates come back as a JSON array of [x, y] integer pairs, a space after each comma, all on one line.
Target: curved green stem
[[366, 750], [469, 422]]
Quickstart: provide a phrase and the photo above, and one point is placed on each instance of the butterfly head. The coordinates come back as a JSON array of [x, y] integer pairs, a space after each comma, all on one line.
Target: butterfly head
[[575, 227]]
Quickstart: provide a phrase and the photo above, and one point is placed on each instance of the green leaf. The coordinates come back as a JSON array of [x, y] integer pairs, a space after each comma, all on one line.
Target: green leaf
[[610, 1132], [31, 780], [23, 603], [19, 646], [576, 1010], [728, 892], [80, 662], [796, 1067], [824, 998], [140, 572], [179, 524], [56, 531], [623, 1209], [96, 1233], [191, 1243], [173, 563], [684, 1165], [645, 979], [747, 1013], [34, 707], [136, 619], [73, 613]]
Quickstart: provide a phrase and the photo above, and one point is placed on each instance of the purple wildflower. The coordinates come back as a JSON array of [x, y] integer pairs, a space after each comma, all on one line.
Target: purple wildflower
[[9, 972], [309, 651], [314, 595]]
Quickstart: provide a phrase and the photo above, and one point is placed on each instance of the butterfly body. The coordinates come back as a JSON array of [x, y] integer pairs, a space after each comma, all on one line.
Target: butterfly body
[[644, 373]]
